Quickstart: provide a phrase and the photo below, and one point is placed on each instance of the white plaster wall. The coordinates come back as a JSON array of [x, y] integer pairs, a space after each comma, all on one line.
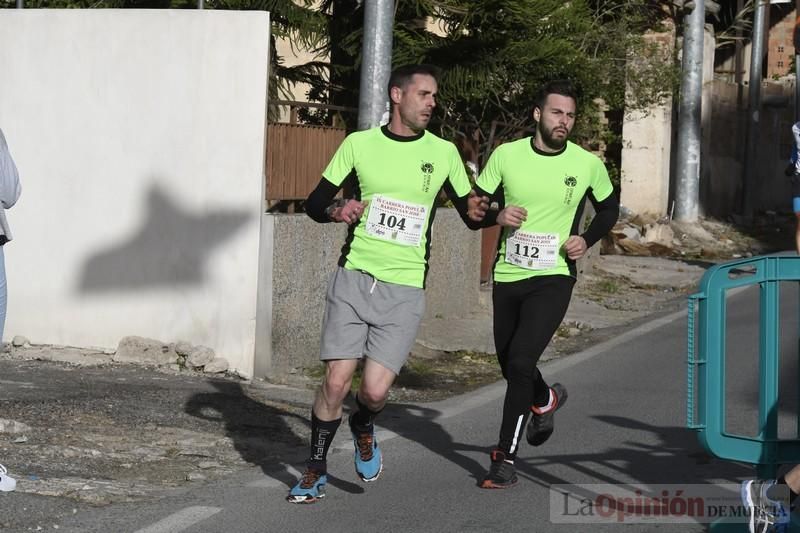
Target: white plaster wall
[[140, 138]]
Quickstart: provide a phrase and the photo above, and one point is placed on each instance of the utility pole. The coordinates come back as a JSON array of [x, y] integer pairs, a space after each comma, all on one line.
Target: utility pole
[[376, 62], [20, 4], [689, 120], [754, 108]]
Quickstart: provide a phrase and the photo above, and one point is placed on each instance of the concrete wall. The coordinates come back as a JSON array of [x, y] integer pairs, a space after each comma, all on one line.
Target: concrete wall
[[304, 255], [645, 165], [646, 148], [139, 136]]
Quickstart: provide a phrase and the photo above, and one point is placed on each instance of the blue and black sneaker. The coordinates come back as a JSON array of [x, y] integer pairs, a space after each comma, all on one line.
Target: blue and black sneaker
[[367, 456], [310, 488]]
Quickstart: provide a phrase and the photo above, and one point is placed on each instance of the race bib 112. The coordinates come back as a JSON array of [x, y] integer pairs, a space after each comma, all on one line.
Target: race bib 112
[[532, 251]]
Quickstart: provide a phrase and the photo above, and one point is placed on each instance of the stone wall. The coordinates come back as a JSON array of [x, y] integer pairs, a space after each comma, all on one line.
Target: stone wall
[[305, 253]]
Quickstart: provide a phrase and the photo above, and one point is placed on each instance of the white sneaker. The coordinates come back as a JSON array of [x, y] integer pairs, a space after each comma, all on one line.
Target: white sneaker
[[7, 484]]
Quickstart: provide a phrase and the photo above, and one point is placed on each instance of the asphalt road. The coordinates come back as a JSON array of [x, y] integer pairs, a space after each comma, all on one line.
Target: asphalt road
[[623, 426]]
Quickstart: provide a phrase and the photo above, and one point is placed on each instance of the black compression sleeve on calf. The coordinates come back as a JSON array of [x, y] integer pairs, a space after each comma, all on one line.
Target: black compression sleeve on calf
[[363, 418], [607, 213], [322, 433], [319, 200]]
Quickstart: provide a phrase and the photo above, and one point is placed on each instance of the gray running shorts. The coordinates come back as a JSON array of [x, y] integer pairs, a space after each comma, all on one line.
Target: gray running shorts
[[365, 316]]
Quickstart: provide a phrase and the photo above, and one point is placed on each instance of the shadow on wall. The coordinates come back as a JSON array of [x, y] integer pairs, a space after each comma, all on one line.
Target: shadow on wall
[[172, 248]]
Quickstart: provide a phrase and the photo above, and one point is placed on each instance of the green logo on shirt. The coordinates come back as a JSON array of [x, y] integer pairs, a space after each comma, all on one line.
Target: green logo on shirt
[[570, 182], [427, 170]]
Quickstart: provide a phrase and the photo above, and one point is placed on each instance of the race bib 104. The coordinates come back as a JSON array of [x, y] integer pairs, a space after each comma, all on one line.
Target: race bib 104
[[395, 220], [533, 251]]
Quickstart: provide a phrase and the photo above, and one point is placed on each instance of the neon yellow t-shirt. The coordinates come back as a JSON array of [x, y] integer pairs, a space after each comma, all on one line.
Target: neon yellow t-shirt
[[399, 178], [552, 188]]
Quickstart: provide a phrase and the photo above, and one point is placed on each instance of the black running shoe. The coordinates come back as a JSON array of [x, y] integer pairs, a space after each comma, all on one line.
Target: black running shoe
[[502, 474], [542, 424]]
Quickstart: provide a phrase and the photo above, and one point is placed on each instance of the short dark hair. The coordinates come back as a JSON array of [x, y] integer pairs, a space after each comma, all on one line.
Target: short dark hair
[[562, 87], [401, 76]]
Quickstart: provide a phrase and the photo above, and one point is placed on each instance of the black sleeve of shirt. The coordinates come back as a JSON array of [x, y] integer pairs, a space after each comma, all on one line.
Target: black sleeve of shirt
[[606, 214], [491, 215], [319, 200], [461, 205]]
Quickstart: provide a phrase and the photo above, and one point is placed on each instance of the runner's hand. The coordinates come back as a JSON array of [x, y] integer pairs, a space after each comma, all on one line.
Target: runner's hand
[[575, 247], [350, 212], [477, 206], [512, 216]]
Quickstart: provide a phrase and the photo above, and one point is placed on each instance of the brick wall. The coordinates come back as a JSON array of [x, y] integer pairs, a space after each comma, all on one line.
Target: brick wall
[[780, 48]]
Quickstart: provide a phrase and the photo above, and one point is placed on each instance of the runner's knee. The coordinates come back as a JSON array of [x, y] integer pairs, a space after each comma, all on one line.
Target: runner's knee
[[373, 396], [520, 369], [335, 388]]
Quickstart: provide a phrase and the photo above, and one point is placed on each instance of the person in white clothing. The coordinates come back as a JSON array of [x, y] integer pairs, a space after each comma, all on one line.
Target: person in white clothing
[[10, 190], [9, 194]]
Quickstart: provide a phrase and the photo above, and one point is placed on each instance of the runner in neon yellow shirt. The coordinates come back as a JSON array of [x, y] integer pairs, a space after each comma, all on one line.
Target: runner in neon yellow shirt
[[542, 181], [398, 178], [375, 299]]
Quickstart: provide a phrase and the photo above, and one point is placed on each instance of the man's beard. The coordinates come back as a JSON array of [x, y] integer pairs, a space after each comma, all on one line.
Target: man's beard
[[550, 141]]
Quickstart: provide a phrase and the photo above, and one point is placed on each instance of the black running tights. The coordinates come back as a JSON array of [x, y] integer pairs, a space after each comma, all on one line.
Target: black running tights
[[526, 315]]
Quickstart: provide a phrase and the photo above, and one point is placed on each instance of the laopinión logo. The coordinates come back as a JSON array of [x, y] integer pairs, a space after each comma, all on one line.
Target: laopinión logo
[[427, 170], [570, 182], [666, 504]]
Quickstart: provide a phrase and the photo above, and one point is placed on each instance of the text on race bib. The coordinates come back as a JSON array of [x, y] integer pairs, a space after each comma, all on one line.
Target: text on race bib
[[532, 251], [395, 220]]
